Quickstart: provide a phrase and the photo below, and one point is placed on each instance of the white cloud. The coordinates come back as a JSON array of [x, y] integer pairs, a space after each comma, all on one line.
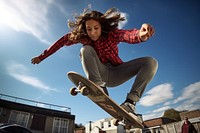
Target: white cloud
[[189, 100], [187, 106], [151, 116], [161, 109], [167, 103], [19, 72], [123, 14], [123, 23], [158, 94], [190, 92], [29, 16]]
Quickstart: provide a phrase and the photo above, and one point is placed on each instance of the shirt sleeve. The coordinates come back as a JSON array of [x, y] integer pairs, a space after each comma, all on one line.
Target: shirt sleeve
[[128, 36], [56, 46]]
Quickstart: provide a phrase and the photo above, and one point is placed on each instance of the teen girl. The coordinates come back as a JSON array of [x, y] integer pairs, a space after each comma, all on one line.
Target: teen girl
[[101, 63]]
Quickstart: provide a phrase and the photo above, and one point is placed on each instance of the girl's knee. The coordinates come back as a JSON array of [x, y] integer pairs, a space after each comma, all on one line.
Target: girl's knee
[[153, 63], [86, 50]]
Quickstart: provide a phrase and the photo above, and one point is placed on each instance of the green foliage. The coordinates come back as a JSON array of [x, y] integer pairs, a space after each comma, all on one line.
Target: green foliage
[[172, 114]]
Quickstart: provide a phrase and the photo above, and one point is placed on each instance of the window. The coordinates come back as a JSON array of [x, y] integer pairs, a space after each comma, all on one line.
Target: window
[[102, 125], [17, 117], [109, 123], [38, 125], [60, 125]]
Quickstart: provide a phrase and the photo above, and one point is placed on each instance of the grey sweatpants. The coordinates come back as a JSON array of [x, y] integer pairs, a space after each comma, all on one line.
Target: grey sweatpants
[[143, 68]]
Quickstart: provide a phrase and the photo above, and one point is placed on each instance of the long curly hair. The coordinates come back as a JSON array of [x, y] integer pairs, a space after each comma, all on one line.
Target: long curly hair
[[109, 21]]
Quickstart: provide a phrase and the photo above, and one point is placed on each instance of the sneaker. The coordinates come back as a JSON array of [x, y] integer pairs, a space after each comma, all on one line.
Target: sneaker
[[104, 89], [130, 108]]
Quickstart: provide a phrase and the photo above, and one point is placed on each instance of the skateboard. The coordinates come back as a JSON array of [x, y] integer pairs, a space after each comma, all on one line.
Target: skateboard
[[95, 93]]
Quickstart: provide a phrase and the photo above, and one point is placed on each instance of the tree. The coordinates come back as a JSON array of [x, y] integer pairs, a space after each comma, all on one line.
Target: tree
[[172, 114], [79, 126]]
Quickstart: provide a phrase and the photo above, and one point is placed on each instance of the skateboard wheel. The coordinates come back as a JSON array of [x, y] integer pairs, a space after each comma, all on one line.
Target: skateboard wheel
[[115, 122], [84, 91], [73, 91]]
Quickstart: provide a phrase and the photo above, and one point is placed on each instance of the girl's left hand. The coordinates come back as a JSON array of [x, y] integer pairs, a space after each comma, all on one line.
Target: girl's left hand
[[146, 31]]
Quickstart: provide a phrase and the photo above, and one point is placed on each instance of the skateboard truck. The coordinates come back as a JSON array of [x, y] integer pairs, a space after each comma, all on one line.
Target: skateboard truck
[[80, 89], [123, 123]]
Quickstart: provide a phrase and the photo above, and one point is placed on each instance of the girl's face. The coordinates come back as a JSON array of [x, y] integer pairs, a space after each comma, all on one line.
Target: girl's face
[[93, 29]]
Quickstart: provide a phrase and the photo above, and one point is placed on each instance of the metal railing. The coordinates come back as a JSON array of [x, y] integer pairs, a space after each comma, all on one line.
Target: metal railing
[[35, 103]]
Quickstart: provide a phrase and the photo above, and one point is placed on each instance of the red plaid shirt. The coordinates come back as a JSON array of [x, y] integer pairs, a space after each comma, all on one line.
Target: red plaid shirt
[[106, 48]]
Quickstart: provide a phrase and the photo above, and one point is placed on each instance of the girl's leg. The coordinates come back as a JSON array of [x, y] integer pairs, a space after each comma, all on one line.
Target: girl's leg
[[143, 68], [92, 66]]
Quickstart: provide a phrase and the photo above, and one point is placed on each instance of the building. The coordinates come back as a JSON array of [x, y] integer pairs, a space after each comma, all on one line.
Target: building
[[190, 114], [106, 126], [193, 116], [36, 116], [166, 125], [156, 125], [101, 126]]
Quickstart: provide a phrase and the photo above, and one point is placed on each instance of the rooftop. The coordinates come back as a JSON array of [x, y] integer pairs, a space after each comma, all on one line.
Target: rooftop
[[35, 103]]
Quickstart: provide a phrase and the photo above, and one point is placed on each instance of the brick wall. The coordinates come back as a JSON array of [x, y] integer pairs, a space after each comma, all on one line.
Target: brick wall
[[190, 114]]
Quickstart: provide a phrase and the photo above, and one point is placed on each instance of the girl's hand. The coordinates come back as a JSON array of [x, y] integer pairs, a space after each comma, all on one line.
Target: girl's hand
[[146, 31], [35, 60]]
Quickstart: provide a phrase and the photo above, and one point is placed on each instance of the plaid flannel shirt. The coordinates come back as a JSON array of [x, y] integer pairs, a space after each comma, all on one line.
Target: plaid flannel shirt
[[106, 47]]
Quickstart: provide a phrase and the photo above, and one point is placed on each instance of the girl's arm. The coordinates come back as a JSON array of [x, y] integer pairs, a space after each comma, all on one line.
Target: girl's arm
[[52, 49], [134, 35]]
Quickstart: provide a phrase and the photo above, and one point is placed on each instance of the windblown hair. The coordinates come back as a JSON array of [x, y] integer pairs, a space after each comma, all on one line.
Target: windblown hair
[[109, 21]]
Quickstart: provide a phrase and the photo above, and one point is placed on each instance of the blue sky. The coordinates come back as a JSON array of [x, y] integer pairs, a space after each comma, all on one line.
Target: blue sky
[[29, 27]]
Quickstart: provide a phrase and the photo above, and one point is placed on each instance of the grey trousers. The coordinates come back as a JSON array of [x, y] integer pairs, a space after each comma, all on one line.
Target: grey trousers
[[143, 68]]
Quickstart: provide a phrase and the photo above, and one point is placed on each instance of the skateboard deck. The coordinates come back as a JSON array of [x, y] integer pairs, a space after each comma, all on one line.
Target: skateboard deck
[[95, 93]]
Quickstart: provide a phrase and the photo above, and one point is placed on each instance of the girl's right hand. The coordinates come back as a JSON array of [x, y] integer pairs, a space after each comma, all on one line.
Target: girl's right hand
[[146, 31], [35, 60]]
